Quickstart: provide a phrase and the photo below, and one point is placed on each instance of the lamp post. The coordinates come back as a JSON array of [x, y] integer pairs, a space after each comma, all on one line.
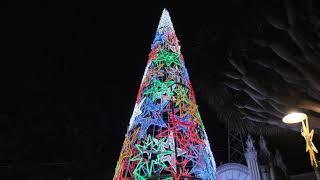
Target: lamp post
[[296, 117]]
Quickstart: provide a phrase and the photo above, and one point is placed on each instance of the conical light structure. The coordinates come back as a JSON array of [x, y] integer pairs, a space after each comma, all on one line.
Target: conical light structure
[[166, 137]]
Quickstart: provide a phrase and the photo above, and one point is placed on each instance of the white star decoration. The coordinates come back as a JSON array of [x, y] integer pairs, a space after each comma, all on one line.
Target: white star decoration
[[169, 144], [136, 112]]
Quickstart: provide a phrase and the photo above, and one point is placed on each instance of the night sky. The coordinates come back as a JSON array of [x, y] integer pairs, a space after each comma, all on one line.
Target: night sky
[[73, 74]]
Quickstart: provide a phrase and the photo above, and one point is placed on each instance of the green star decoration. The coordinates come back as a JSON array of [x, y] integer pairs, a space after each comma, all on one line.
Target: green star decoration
[[167, 58], [159, 88], [153, 164]]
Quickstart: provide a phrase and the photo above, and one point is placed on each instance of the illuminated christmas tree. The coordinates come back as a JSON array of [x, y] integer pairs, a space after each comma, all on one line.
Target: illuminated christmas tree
[[166, 137]]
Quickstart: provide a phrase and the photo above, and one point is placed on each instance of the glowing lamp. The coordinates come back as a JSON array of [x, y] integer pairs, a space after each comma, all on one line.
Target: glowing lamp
[[294, 117]]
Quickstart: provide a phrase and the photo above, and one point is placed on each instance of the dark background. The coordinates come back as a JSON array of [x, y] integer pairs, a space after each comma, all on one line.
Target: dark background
[[74, 69]]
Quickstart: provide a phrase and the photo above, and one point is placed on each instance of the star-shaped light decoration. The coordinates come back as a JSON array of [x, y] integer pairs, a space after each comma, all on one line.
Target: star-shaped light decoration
[[182, 95], [194, 134], [183, 122], [173, 42], [190, 135], [159, 89], [193, 152], [129, 139], [153, 55], [308, 136], [173, 73], [192, 109], [185, 132], [180, 121], [126, 151], [170, 145], [170, 128], [153, 73], [150, 157], [136, 112], [151, 115], [167, 58], [159, 39], [183, 169], [203, 166]]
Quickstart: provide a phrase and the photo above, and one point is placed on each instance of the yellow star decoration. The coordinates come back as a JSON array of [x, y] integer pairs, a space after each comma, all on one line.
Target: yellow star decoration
[[308, 136], [191, 108], [126, 150], [181, 99], [185, 103]]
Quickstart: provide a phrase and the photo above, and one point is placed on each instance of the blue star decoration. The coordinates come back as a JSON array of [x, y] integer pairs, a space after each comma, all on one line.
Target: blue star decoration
[[158, 39], [192, 152], [202, 168], [151, 115]]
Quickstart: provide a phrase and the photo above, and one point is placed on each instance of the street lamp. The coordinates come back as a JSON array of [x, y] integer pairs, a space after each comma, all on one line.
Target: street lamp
[[296, 117]]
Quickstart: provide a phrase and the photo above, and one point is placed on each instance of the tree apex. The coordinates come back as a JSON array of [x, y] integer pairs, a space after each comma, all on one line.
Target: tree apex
[[165, 21]]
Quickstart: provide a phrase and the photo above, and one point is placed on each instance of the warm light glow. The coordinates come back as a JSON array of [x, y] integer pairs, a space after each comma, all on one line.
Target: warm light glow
[[294, 118]]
